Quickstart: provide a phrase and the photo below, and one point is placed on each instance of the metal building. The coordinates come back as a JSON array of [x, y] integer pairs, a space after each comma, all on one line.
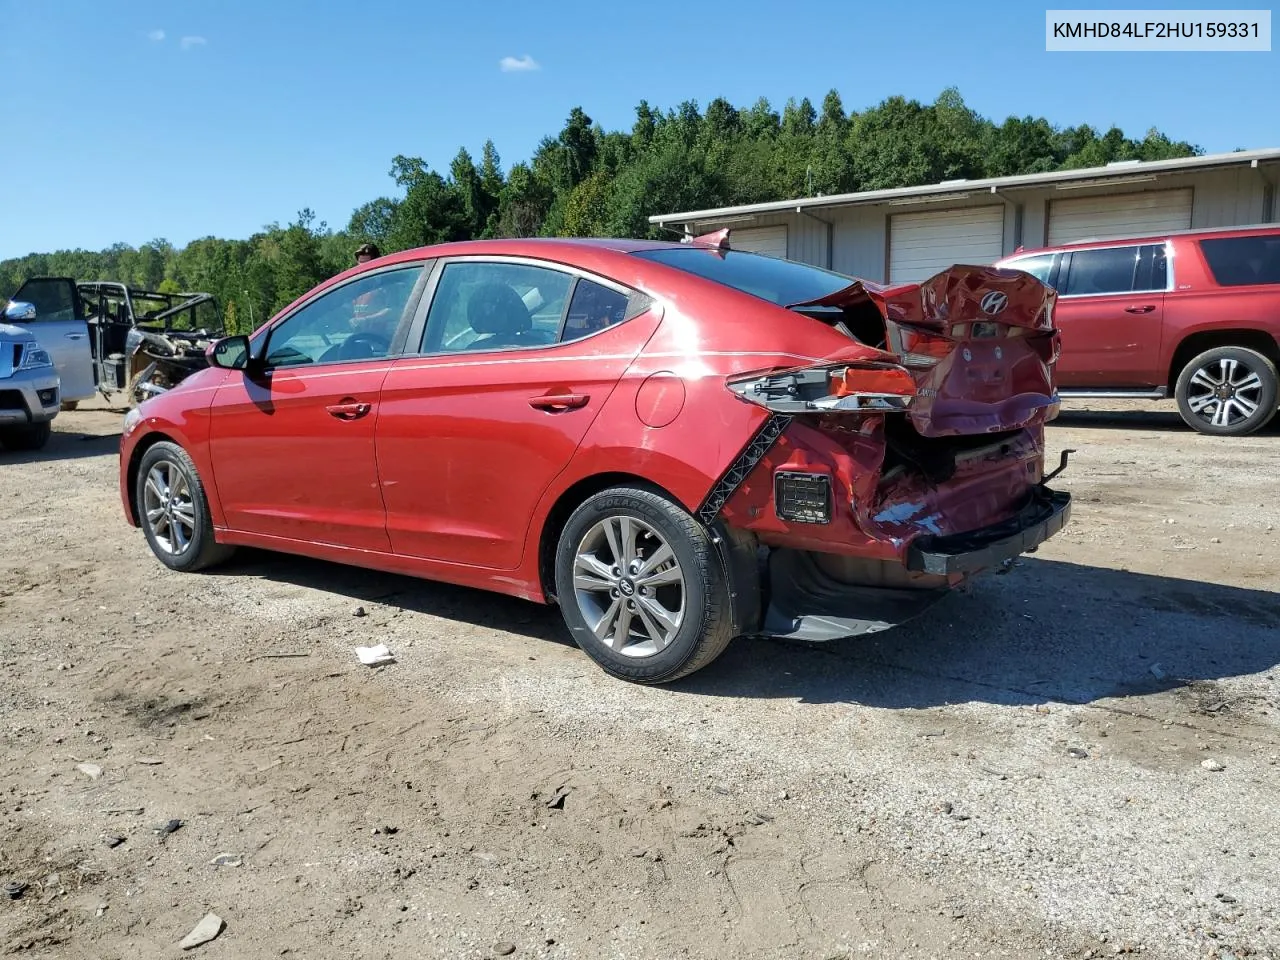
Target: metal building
[[912, 232]]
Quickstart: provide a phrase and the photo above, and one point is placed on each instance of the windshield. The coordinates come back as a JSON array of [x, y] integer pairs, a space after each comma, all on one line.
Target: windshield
[[781, 282]]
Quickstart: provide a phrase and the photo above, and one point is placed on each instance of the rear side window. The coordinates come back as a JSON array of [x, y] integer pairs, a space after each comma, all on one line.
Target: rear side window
[[497, 305], [1240, 261], [1116, 270], [781, 282], [593, 307]]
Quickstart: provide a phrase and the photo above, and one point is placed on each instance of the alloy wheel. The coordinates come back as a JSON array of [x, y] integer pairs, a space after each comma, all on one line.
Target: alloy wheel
[[629, 586], [168, 507], [1224, 392]]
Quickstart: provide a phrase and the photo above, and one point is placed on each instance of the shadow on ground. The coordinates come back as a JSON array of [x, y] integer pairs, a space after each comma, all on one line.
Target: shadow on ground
[[1046, 631], [66, 446]]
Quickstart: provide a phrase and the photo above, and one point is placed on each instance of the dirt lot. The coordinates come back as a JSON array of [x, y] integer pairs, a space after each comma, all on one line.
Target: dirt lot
[[1019, 773]]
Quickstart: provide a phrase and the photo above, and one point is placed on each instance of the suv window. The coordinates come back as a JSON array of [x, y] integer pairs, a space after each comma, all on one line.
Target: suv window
[[1040, 266], [356, 321], [54, 299], [1239, 261], [1128, 269]]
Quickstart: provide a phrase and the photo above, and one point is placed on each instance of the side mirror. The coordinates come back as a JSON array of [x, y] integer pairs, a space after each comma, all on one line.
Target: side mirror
[[229, 353], [19, 311]]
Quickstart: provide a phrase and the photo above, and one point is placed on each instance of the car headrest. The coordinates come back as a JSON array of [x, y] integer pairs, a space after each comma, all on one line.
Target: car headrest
[[494, 308]]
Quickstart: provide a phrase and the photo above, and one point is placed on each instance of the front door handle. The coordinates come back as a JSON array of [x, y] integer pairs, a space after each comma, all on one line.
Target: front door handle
[[1146, 308], [349, 410], [74, 336], [559, 401]]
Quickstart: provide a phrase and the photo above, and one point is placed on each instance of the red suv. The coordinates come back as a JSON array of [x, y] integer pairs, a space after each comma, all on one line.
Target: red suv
[[1194, 313]]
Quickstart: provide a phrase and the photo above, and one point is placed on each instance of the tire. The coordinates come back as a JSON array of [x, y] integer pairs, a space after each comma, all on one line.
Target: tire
[[1227, 392], [69, 405], [181, 536], [651, 651], [29, 436]]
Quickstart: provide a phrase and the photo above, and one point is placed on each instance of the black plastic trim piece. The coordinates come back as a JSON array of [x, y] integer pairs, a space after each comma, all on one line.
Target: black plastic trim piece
[[1047, 512], [745, 462]]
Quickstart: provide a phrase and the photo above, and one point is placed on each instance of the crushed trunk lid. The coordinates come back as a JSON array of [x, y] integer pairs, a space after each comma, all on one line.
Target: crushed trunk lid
[[969, 351]]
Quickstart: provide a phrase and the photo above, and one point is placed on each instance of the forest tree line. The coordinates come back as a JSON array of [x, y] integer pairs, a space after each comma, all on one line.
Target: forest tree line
[[586, 181]]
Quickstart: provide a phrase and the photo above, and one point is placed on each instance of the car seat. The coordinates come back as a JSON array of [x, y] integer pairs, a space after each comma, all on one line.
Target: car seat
[[498, 314]]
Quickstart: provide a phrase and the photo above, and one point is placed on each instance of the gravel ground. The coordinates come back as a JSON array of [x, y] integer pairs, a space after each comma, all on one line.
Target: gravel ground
[[1024, 771]]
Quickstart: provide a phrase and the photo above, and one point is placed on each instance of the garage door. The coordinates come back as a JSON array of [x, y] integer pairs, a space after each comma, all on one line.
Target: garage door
[[771, 241], [922, 244], [1119, 215]]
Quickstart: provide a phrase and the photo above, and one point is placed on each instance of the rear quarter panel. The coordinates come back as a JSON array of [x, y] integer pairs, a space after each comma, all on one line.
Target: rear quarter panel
[[1197, 304], [672, 420]]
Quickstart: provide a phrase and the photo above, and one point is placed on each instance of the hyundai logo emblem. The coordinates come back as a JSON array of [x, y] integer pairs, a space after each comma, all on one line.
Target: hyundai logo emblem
[[994, 302]]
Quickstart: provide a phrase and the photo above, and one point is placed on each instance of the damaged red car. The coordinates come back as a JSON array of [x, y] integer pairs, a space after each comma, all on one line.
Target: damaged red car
[[676, 443]]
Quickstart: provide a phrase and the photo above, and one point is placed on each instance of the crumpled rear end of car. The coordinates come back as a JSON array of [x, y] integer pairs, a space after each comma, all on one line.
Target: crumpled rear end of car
[[893, 478]]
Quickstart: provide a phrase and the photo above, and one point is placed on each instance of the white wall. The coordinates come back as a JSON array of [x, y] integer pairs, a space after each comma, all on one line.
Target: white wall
[[1222, 198]]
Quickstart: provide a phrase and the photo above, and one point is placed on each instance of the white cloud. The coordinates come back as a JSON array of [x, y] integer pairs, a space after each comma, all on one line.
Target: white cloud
[[518, 64], [189, 42], [156, 35]]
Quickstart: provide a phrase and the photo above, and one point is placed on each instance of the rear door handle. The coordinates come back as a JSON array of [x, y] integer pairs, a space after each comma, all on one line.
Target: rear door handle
[[349, 410], [559, 401], [1146, 308], [74, 336]]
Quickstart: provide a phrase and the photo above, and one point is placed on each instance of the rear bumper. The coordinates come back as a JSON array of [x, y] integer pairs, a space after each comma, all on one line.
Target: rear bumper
[[805, 603], [975, 550]]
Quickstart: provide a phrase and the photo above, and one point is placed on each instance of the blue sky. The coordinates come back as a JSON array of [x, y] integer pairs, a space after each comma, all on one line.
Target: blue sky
[[126, 121]]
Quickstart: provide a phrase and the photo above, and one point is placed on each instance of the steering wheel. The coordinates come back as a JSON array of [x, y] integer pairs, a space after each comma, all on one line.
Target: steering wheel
[[377, 344]]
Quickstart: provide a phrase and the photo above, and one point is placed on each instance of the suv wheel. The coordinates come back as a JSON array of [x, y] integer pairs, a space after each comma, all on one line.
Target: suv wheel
[[641, 587], [1227, 391], [174, 511], [31, 436]]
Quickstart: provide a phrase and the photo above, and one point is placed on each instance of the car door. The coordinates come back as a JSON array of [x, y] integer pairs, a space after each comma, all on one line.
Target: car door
[[1111, 313], [515, 361], [61, 328], [291, 436]]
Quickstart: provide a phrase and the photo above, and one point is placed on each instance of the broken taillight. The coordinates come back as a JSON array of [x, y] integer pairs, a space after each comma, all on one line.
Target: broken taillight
[[869, 380], [920, 349], [862, 386]]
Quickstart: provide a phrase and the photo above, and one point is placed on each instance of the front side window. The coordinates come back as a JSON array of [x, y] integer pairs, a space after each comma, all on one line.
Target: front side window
[[1242, 261], [356, 321], [1112, 270], [54, 300]]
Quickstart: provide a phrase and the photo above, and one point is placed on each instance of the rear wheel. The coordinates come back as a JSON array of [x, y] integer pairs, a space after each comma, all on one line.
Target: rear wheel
[[28, 436], [641, 588], [174, 511], [1227, 391]]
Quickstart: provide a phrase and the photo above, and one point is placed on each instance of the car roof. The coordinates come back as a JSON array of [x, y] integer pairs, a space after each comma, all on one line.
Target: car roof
[[1260, 228]]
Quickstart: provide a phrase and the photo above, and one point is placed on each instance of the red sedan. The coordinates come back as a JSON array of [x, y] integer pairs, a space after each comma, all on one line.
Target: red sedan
[[676, 443]]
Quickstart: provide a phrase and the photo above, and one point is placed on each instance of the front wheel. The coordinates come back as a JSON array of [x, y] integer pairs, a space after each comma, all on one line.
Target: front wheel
[[174, 511], [30, 436], [641, 587], [1227, 392]]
